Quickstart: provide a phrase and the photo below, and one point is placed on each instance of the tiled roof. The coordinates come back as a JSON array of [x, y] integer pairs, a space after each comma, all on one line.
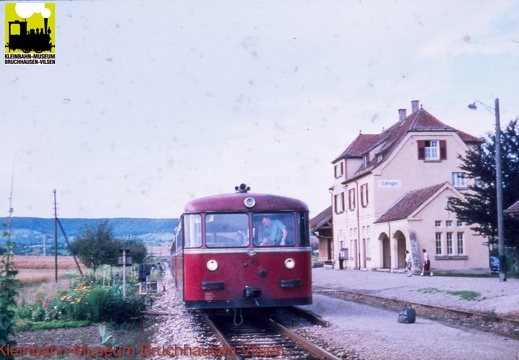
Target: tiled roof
[[320, 219], [360, 145], [514, 209], [408, 203], [419, 121]]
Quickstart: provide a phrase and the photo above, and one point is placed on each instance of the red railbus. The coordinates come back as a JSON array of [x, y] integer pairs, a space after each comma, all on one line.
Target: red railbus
[[243, 250]]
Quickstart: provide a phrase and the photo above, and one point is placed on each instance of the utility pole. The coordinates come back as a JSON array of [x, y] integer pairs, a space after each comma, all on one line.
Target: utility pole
[[499, 195], [499, 189], [55, 239]]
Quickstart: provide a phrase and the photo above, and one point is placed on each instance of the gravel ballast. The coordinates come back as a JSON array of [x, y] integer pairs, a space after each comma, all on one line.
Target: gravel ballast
[[360, 331]]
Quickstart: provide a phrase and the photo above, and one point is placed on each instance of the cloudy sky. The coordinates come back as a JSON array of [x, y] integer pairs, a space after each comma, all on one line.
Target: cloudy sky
[[154, 103]]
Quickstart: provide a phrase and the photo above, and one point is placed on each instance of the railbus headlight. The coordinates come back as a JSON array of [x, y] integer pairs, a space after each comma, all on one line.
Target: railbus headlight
[[290, 263], [212, 265], [249, 202]]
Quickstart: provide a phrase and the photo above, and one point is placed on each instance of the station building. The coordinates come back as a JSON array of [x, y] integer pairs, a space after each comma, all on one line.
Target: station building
[[390, 194]]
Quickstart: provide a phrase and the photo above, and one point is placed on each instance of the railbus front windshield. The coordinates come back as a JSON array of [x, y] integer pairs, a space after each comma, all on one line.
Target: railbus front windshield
[[217, 230]]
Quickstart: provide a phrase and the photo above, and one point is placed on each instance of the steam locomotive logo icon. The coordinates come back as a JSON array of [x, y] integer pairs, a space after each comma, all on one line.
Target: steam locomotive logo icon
[[29, 28]]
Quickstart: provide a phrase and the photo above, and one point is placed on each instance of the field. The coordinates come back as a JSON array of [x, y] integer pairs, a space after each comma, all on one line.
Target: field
[[38, 269]]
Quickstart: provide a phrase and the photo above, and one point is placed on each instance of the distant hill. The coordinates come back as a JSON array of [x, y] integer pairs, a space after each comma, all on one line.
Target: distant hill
[[29, 233]]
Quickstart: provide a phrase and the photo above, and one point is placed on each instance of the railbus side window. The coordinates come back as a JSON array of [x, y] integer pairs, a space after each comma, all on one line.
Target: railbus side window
[[192, 230], [304, 229], [274, 229], [226, 230], [179, 240]]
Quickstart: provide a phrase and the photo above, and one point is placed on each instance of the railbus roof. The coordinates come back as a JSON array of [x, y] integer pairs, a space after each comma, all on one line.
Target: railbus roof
[[234, 202]]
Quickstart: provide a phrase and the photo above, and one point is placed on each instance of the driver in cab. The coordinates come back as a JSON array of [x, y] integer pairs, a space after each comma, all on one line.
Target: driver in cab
[[274, 232]]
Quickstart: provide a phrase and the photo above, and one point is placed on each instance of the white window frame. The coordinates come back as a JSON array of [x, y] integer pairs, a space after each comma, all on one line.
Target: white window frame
[[438, 243], [458, 180], [338, 170], [339, 203], [449, 243], [460, 243], [432, 150], [364, 195]]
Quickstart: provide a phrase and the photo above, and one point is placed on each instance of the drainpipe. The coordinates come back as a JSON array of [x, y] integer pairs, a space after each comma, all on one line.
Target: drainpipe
[[358, 223], [389, 237], [333, 227]]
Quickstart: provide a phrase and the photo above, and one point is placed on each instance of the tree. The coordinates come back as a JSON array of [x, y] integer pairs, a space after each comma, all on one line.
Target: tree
[[138, 251], [8, 293], [479, 207], [96, 246]]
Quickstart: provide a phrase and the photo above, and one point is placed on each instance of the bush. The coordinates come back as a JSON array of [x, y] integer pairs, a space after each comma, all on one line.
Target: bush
[[87, 301], [118, 309]]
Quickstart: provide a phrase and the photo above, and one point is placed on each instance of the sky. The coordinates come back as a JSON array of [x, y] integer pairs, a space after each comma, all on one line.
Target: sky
[[154, 103]]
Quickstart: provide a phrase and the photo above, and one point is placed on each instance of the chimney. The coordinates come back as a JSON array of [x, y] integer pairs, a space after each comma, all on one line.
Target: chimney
[[414, 105], [401, 114]]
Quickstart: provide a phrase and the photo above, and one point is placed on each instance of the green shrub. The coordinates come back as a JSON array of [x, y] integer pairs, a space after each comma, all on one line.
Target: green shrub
[[8, 291], [23, 324], [119, 310], [85, 301], [96, 303]]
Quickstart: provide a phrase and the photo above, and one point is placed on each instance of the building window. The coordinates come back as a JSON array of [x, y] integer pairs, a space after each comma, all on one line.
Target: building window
[[458, 180], [438, 243], [351, 199], [365, 159], [339, 203], [460, 243], [432, 149], [449, 243], [459, 223], [339, 169], [437, 223], [448, 223], [364, 195]]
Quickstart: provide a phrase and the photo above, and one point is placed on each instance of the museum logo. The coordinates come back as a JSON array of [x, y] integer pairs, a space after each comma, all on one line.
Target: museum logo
[[30, 33]]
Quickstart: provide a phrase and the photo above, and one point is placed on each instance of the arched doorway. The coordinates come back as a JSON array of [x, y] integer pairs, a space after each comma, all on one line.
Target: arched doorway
[[400, 248], [386, 251]]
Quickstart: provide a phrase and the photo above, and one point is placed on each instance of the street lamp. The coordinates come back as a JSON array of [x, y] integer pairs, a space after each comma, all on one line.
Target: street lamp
[[499, 189]]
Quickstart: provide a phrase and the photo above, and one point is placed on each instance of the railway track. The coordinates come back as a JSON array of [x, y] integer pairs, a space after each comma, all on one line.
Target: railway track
[[260, 337], [452, 317]]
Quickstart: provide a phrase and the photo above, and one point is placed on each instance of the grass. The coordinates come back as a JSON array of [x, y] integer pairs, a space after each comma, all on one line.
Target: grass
[[24, 325], [463, 294]]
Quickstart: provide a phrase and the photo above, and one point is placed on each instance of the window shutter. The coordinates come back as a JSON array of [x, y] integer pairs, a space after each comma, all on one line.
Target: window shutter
[[421, 149], [443, 149]]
